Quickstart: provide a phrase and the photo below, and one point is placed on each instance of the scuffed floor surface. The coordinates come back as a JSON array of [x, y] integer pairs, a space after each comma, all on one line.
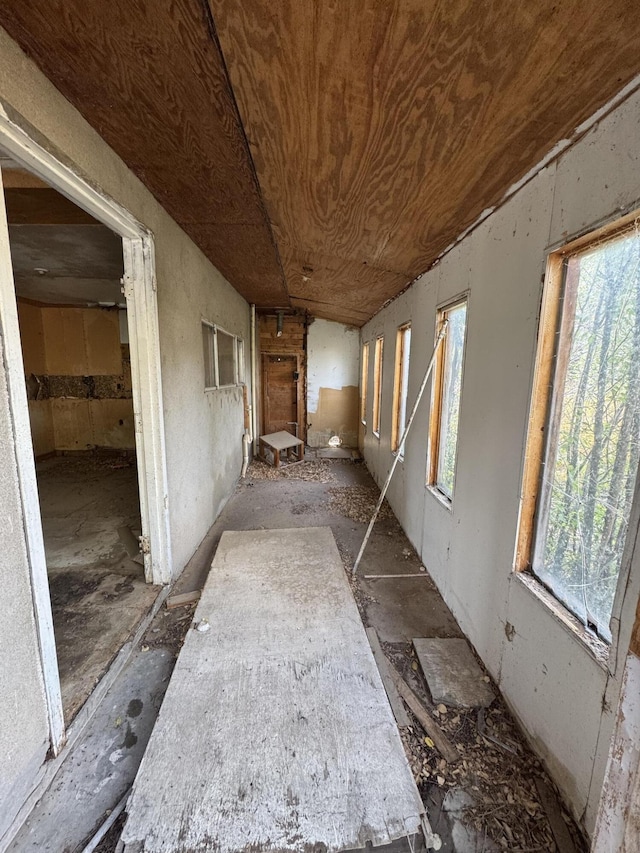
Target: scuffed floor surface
[[486, 802], [98, 593]]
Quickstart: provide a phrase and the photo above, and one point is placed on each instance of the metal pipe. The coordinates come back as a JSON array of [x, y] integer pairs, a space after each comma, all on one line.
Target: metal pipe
[[396, 458], [254, 390]]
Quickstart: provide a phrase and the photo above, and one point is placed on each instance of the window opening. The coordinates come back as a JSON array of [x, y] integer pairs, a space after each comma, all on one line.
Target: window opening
[[401, 385], [207, 348], [593, 430], [446, 398], [377, 385], [363, 383]]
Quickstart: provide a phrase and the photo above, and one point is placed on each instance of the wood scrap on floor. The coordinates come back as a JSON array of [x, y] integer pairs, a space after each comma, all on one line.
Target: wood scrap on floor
[[387, 679], [553, 811], [419, 711], [183, 598]]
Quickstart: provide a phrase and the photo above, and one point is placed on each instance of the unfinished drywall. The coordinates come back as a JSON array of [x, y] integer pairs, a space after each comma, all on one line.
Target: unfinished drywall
[[560, 692], [333, 353], [203, 430], [78, 376]]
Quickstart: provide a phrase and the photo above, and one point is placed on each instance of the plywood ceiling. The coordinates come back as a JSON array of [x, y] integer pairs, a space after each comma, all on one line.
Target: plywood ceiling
[[369, 136]]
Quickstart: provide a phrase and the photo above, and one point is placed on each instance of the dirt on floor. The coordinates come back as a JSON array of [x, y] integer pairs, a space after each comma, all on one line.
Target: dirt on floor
[[491, 790]]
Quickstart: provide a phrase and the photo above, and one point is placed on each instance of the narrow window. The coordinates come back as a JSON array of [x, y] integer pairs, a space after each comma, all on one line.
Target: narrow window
[[446, 396], [364, 377], [226, 362], [377, 385], [208, 352], [241, 368], [590, 354], [401, 385]]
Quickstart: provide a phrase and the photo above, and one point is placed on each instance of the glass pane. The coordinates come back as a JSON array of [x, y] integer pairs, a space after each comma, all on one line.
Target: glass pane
[[363, 383], [451, 393], [241, 377], [377, 384], [226, 362], [594, 432], [404, 382], [207, 350]]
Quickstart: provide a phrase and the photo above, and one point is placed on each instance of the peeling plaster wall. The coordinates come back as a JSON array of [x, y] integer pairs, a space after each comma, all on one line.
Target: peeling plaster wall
[[333, 353], [203, 430], [553, 684]]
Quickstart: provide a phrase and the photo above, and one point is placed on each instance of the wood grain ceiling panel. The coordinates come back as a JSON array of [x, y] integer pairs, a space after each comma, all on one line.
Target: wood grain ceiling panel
[[149, 77], [380, 131]]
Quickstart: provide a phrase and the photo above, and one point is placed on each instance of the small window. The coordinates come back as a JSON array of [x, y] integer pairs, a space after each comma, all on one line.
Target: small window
[[446, 397], [377, 385], [401, 385], [208, 351], [364, 377], [241, 376], [226, 357], [587, 403], [221, 357]]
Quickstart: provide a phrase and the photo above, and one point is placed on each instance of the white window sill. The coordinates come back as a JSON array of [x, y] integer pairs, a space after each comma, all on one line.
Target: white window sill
[[443, 500], [597, 648]]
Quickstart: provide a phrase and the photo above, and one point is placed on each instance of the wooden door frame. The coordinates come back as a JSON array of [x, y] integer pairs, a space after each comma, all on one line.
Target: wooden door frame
[[300, 395], [139, 284]]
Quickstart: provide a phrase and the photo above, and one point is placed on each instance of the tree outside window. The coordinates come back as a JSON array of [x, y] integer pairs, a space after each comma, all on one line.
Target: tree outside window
[[593, 431]]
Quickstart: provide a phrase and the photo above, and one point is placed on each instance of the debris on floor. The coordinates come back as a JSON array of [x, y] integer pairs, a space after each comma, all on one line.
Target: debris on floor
[[309, 470], [501, 802], [358, 503], [183, 598]]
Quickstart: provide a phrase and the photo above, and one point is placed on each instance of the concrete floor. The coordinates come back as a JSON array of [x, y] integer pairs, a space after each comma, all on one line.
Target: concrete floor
[[399, 609], [98, 593]]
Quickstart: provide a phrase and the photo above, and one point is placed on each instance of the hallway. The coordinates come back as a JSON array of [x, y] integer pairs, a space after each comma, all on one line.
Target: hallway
[[486, 801]]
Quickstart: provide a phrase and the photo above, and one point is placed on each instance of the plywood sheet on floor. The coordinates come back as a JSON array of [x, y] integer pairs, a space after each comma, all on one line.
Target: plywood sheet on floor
[[275, 733], [453, 674]]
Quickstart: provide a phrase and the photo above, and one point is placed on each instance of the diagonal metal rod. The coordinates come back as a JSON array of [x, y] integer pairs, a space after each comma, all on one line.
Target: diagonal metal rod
[[396, 459]]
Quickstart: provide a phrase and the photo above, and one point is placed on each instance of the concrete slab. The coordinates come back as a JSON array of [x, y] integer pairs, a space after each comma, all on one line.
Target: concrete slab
[[453, 675], [102, 767], [275, 732]]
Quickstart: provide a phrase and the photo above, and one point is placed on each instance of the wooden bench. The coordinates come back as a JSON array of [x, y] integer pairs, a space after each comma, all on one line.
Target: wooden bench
[[277, 442]]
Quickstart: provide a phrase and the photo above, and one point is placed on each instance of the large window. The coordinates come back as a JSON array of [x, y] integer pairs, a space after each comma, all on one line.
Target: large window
[[589, 358], [223, 357], [401, 385], [377, 384], [446, 396], [364, 378]]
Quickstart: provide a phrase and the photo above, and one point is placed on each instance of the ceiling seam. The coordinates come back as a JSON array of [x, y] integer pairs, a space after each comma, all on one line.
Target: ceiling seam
[[213, 32]]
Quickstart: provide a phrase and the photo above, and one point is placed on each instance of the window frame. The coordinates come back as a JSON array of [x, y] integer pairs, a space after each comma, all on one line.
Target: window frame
[[214, 364], [378, 358], [400, 385], [537, 447], [364, 381], [437, 388]]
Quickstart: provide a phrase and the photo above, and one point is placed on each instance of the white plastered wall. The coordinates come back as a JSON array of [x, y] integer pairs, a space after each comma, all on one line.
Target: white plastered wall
[[203, 431], [555, 686], [333, 363]]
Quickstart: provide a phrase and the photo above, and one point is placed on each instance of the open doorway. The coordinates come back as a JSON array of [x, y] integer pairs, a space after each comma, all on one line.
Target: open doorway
[[74, 336]]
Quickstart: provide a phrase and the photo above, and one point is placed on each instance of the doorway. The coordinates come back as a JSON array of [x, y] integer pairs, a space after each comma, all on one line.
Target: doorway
[[280, 384], [102, 450]]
